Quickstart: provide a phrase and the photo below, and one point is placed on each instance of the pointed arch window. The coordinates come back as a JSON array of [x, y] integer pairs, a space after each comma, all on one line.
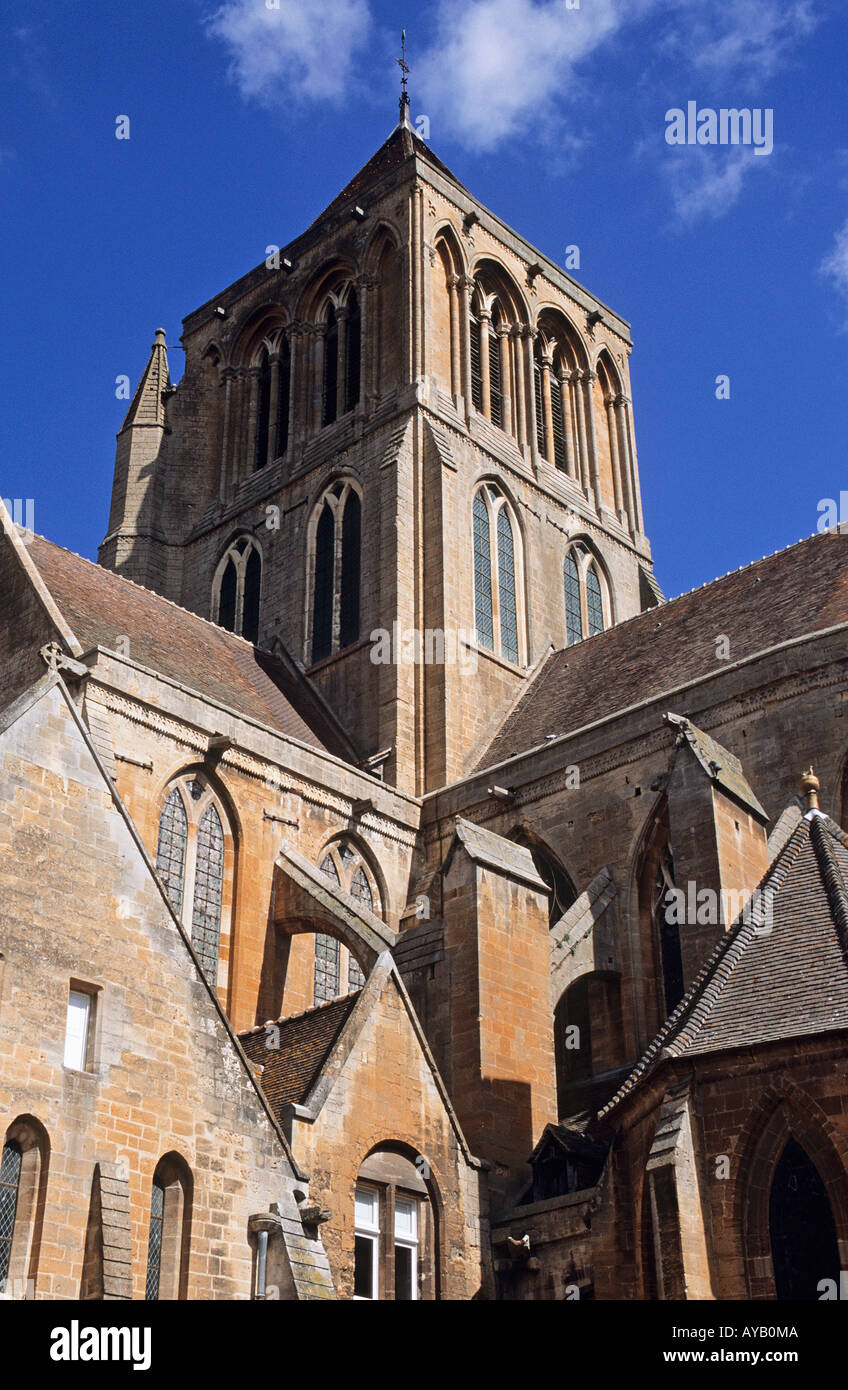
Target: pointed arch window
[[483, 574], [23, 1171], [498, 590], [494, 370], [191, 861], [10, 1178], [336, 571], [208, 888], [169, 1230], [506, 577], [573, 605], [587, 601], [594, 600], [236, 589], [804, 1245], [342, 356], [344, 866]]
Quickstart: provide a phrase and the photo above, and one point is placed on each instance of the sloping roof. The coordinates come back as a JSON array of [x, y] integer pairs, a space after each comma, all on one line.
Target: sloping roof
[[494, 852], [305, 1042], [720, 765], [799, 590], [781, 971], [401, 144], [100, 606]]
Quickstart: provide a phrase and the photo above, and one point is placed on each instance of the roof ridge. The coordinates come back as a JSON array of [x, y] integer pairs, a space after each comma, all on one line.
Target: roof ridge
[[820, 833], [304, 1013]]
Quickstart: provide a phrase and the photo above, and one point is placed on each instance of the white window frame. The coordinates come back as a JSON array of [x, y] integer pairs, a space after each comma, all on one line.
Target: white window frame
[[371, 1232], [408, 1242], [77, 1053]]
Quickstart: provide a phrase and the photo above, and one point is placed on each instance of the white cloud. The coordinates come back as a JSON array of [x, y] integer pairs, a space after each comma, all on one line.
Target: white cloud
[[835, 265], [706, 182], [751, 38], [301, 49], [495, 64]]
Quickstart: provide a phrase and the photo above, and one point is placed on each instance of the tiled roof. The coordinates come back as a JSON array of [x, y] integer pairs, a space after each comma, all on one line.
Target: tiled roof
[[101, 606], [771, 977], [799, 590], [401, 144], [300, 1047]]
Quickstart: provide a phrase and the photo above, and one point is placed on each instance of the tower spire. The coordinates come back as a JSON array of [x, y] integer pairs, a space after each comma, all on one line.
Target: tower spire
[[404, 68]]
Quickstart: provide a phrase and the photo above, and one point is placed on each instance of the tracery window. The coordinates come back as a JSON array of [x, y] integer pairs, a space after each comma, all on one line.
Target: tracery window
[[345, 867], [586, 606], [190, 860], [497, 576], [336, 571], [237, 587]]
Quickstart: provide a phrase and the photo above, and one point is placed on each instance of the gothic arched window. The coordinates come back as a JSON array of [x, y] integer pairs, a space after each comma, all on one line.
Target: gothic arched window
[[344, 866], [336, 571], [548, 374], [483, 574], [10, 1177], [496, 347], [236, 589], [342, 357], [190, 860], [594, 601], [586, 604], [804, 1247], [168, 1232], [23, 1171], [497, 575], [208, 887], [573, 608], [506, 577]]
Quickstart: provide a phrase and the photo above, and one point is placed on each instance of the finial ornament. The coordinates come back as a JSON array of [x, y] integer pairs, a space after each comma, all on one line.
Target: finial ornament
[[404, 68], [810, 789]]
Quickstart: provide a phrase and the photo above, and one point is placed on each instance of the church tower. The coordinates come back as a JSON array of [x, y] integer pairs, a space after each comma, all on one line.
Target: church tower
[[402, 457]]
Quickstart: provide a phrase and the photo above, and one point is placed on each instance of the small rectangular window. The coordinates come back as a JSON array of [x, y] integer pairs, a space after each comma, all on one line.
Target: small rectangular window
[[78, 1029]]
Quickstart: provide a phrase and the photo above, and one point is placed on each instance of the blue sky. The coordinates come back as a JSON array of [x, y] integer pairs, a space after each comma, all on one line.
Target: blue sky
[[247, 118]]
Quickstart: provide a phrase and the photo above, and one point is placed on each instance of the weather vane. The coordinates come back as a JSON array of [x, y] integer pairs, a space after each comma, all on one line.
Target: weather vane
[[404, 67]]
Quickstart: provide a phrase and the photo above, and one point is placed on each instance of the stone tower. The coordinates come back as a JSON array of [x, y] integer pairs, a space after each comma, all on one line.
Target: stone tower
[[402, 456]]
